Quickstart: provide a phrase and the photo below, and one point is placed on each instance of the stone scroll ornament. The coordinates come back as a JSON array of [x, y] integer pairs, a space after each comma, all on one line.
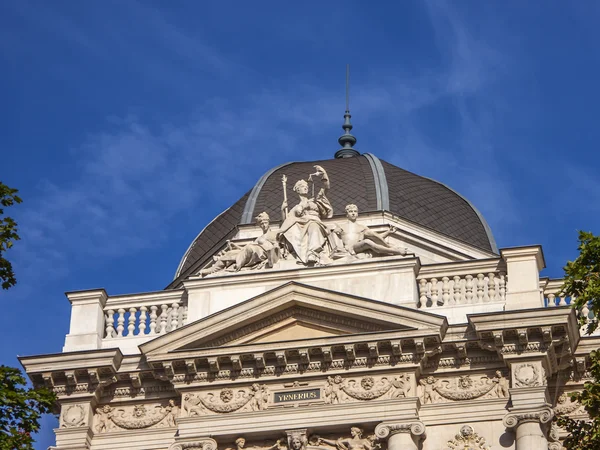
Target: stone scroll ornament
[[108, 418], [368, 388], [463, 388], [255, 398], [467, 439]]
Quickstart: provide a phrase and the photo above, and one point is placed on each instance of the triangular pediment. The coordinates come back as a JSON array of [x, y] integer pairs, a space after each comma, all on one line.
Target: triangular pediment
[[293, 312]]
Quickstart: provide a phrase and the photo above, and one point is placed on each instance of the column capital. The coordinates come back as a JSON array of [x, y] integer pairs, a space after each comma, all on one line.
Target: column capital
[[515, 418], [415, 428], [200, 444]]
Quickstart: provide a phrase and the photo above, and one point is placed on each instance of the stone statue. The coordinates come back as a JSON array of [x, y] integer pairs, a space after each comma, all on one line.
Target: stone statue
[[501, 385], [262, 252], [359, 239], [302, 228], [356, 442], [430, 385]]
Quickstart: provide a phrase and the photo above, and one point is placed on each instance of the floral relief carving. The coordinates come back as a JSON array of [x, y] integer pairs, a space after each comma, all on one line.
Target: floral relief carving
[[467, 439], [108, 418], [527, 375], [463, 388], [339, 389], [255, 398], [564, 405], [73, 416]]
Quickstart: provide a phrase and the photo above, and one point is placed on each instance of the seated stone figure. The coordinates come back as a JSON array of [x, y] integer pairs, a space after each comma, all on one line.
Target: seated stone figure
[[264, 251], [359, 239]]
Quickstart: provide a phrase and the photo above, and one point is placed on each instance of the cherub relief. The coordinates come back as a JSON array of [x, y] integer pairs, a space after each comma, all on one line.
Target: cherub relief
[[429, 389]]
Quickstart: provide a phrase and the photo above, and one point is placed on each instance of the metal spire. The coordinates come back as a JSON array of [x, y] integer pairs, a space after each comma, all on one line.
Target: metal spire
[[346, 140]]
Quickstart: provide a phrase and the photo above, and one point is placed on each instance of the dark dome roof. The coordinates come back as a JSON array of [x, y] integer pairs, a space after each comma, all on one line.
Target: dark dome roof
[[368, 182]]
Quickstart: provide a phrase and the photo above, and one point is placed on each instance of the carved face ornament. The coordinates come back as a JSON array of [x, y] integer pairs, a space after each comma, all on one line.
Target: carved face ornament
[[139, 411], [226, 395], [465, 382], [367, 383]]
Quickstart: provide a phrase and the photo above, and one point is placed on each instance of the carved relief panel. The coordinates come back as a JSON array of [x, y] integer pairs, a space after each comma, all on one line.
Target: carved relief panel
[[109, 418], [340, 389], [529, 374], [465, 387], [74, 416]]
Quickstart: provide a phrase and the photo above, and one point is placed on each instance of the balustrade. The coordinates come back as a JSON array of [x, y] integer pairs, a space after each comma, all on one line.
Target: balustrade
[[553, 297], [461, 289], [146, 317]]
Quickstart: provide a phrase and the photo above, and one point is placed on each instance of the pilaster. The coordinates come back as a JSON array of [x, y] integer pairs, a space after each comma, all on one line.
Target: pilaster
[[523, 265], [87, 320]]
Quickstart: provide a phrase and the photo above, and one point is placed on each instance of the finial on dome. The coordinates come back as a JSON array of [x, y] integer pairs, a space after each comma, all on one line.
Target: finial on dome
[[347, 140]]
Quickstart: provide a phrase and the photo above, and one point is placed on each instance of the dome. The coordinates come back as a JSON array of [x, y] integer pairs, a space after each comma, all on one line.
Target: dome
[[365, 180]]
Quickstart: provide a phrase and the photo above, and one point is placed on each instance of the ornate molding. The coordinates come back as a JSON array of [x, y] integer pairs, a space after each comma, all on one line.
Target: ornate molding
[[256, 398], [465, 387], [384, 430], [204, 444], [339, 389], [515, 418], [467, 439], [564, 405]]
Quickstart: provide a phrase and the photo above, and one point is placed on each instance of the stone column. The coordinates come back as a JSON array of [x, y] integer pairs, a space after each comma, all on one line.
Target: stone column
[[529, 427], [401, 436]]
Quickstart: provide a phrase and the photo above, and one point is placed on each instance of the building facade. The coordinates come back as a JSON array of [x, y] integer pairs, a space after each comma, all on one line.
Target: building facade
[[343, 304]]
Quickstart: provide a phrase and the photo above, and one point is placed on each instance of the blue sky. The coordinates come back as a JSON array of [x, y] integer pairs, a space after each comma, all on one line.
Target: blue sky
[[127, 126]]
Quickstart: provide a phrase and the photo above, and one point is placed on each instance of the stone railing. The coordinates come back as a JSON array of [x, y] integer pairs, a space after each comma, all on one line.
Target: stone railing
[[144, 314], [552, 297], [462, 283]]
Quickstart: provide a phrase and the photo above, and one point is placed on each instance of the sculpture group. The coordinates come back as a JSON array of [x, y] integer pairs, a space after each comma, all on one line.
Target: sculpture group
[[304, 236]]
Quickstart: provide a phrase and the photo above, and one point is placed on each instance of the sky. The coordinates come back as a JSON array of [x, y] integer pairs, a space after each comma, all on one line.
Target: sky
[[128, 125]]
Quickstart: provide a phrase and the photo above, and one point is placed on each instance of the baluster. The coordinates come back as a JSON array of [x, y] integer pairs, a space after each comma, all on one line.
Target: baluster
[[184, 316], [434, 292], [502, 286], [551, 300], [480, 285], [469, 288], [174, 316], [163, 319], [422, 293], [445, 290], [457, 299], [143, 317], [110, 321], [131, 326], [491, 287], [121, 322], [153, 317], [562, 301]]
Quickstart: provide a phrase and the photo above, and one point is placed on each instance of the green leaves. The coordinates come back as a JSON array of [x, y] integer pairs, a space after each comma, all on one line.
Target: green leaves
[[582, 282], [20, 410], [8, 234]]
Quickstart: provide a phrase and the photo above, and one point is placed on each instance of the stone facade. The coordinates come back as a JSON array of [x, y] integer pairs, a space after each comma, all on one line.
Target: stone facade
[[325, 332]]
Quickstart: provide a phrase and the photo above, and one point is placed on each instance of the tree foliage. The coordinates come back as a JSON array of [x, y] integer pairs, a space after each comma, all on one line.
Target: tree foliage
[[8, 234], [582, 282], [20, 410]]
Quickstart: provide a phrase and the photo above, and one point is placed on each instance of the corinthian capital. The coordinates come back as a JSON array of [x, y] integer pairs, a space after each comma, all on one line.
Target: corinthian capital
[[203, 444], [515, 418], [383, 430]]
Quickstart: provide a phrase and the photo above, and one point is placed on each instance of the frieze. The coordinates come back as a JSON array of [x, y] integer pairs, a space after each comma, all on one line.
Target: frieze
[[467, 439], [466, 387], [108, 418], [460, 362], [127, 391], [73, 416], [255, 398], [354, 441], [339, 389]]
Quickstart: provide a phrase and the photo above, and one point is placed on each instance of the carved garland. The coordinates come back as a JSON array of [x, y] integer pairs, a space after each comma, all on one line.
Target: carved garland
[[368, 388], [107, 417], [463, 388], [257, 398]]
